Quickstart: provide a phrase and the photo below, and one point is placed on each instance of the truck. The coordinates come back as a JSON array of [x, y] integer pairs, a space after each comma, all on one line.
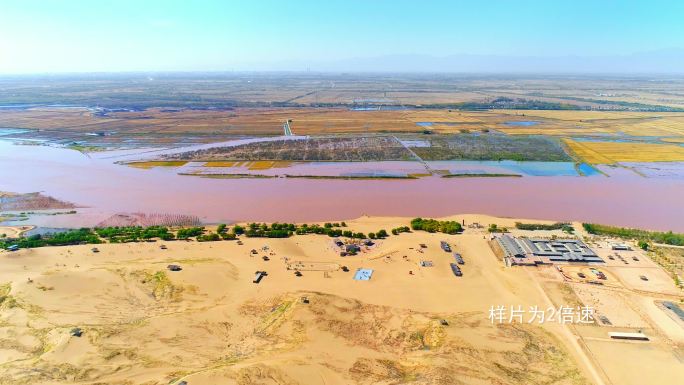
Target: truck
[[456, 270], [459, 259]]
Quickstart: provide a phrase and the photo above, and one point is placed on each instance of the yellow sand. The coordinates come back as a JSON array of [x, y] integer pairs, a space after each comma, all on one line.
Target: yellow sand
[[209, 324], [14, 231]]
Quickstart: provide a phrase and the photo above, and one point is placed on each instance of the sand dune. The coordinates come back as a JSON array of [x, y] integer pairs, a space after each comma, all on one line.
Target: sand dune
[[210, 324]]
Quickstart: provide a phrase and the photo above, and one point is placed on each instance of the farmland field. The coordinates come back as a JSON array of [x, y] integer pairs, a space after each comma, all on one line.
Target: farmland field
[[328, 148], [165, 126], [355, 118], [613, 152]]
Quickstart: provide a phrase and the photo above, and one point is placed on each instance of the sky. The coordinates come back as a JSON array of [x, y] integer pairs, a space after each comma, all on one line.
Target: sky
[[44, 36]]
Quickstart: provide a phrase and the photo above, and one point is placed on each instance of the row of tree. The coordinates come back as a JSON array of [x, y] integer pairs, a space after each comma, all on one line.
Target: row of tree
[[134, 233], [668, 238], [401, 229], [121, 234], [541, 226], [72, 237]]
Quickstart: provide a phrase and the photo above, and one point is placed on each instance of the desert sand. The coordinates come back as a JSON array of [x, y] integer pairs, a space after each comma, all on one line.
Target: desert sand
[[210, 324], [14, 231]]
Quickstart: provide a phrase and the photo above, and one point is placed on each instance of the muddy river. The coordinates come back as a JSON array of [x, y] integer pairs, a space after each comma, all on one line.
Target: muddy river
[[104, 188]]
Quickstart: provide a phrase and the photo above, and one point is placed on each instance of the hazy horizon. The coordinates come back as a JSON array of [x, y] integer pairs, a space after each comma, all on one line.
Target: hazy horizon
[[350, 36]]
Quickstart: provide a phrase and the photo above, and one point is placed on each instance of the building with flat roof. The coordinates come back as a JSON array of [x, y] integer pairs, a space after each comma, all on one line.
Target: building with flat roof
[[620, 246], [533, 251], [628, 336]]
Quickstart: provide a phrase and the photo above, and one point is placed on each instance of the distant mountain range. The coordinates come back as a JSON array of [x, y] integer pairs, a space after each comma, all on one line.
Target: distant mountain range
[[669, 61]]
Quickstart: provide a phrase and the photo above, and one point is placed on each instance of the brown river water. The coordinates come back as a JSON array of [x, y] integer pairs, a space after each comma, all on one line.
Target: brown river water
[[105, 188]]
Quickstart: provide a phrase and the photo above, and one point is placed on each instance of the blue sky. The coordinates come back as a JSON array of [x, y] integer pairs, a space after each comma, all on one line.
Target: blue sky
[[80, 35]]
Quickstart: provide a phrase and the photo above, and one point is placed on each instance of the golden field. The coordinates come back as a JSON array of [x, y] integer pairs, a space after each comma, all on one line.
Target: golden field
[[575, 123], [321, 121], [613, 152], [673, 140], [157, 163]]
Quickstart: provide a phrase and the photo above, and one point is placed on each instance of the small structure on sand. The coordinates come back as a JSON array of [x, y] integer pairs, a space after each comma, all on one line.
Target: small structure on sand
[[95, 250], [445, 246], [76, 332], [620, 246], [628, 336], [12, 247], [363, 274], [673, 307], [174, 267], [352, 248], [163, 247], [259, 276], [456, 270], [425, 263]]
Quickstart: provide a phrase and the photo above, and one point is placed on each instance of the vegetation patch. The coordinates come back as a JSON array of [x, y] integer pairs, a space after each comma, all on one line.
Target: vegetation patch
[[543, 226], [493, 147], [134, 233], [433, 226], [160, 286], [667, 238], [6, 299], [72, 237], [346, 149]]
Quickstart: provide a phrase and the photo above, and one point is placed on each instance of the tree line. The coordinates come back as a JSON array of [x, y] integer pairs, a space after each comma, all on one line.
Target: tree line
[[126, 234], [668, 238], [541, 226]]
